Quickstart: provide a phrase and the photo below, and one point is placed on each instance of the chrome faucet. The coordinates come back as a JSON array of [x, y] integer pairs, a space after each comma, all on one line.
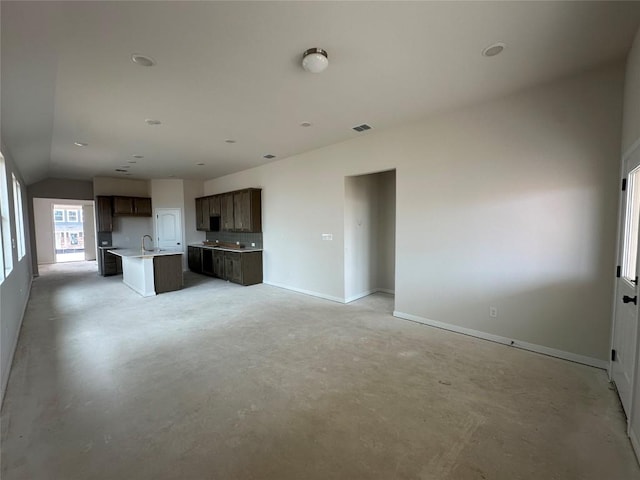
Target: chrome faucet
[[145, 236]]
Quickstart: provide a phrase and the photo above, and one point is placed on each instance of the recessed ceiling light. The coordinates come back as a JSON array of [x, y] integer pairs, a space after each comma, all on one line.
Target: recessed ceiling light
[[121, 170], [125, 166], [142, 60], [171, 176], [127, 174], [269, 156], [493, 50], [305, 124], [150, 121], [132, 161], [230, 141], [200, 164], [137, 156], [80, 144]]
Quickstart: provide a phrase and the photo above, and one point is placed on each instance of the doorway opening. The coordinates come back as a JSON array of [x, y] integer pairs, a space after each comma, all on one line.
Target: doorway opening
[[68, 233], [64, 230], [370, 234]]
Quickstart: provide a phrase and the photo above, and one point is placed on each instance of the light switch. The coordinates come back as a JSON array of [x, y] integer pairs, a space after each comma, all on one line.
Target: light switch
[[327, 236]]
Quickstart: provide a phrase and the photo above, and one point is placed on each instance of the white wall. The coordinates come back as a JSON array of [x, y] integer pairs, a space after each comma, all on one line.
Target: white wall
[[631, 116], [511, 203], [14, 290], [43, 227], [127, 231]]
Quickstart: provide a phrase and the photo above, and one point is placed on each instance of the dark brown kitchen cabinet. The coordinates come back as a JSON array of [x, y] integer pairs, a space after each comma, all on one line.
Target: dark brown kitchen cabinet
[[247, 208], [218, 263], [104, 220], [142, 207], [132, 206], [108, 263], [194, 259], [202, 214], [214, 205], [206, 208], [243, 268], [226, 212]]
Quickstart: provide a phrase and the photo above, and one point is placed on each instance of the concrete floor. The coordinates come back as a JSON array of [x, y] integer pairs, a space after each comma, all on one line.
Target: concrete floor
[[225, 382]]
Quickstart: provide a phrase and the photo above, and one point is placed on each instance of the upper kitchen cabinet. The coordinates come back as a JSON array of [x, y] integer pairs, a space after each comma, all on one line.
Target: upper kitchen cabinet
[[214, 205], [104, 220], [207, 213], [132, 206], [226, 212], [247, 206], [238, 211], [202, 214]]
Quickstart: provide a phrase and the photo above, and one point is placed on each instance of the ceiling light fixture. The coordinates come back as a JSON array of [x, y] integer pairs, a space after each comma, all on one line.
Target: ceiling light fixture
[[493, 50], [137, 156], [200, 164], [80, 144], [305, 124], [269, 156], [315, 60], [229, 141], [150, 121], [131, 161], [142, 60]]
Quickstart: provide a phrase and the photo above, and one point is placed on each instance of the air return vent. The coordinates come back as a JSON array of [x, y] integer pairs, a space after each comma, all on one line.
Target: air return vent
[[362, 128]]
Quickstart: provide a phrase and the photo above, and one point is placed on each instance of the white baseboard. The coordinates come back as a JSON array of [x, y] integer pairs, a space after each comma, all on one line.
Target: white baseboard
[[369, 292], [359, 295], [386, 290], [7, 372], [306, 292], [552, 352]]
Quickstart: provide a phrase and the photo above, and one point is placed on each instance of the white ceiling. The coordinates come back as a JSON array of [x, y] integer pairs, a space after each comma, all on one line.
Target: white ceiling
[[231, 70]]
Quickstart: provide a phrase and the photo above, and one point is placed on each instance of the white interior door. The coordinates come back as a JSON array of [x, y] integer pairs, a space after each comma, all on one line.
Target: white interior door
[[168, 222], [625, 322], [89, 232]]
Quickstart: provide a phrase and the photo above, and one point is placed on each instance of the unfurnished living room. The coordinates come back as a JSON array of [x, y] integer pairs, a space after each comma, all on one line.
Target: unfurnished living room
[[320, 240]]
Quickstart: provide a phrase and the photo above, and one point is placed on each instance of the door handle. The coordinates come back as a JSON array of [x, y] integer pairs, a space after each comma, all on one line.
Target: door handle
[[628, 299]]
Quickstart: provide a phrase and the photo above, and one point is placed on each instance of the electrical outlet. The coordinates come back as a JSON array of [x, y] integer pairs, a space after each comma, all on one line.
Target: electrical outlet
[[253, 244], [493, 312]]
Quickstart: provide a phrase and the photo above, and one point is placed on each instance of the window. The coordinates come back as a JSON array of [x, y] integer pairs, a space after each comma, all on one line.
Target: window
[[18, 211], [58, 216], [630, 240], [5, 227], [72, 216]]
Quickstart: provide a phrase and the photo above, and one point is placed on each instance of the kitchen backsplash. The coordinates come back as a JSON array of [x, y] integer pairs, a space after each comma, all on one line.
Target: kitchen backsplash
[[232, 237]]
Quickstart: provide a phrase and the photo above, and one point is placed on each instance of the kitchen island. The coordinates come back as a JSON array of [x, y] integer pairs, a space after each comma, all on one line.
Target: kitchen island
[[149, 272]]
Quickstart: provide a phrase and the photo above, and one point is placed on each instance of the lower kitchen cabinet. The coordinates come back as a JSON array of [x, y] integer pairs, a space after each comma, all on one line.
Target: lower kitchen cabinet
[[244, 268], [218, 263], [194, 259], [108, 263]]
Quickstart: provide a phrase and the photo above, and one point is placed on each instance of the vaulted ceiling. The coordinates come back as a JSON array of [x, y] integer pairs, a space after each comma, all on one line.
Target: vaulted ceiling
[[231, 71]]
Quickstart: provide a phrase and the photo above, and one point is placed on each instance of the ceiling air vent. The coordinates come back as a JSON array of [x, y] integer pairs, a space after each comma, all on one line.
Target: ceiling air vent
[[362, 128]]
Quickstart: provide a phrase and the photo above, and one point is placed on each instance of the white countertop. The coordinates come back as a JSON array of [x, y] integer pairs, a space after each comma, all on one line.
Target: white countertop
[[225, 249], [139, 253]]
